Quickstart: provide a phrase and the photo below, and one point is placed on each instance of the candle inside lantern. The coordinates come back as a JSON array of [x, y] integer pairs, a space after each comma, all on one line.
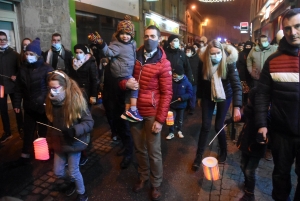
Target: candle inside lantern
[[1, 91], [41, 151], [211, 168], [170, 119]]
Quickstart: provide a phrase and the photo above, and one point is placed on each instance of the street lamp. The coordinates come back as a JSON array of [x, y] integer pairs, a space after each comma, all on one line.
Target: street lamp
[[193, 7]]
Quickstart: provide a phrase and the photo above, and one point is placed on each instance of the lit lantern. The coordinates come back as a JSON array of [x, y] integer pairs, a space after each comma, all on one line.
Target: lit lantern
[[170, 119], [41, 151], [1, 91], [211, 168]]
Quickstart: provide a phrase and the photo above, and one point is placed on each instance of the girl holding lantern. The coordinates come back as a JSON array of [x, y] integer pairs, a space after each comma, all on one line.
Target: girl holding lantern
[[67, 110], [219, 83]]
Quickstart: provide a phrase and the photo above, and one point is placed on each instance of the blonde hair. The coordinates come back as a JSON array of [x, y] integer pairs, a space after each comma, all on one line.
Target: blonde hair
[[74, 104], [207, 65]]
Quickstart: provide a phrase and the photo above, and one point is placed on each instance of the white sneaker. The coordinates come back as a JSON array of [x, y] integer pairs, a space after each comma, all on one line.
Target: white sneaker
[[170, 136], [180, 134]]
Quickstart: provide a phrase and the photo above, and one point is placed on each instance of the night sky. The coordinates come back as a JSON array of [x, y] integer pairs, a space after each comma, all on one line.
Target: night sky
[[235, 11]]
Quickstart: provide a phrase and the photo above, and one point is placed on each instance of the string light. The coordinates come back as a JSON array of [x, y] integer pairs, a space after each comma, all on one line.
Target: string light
[[212, 1]]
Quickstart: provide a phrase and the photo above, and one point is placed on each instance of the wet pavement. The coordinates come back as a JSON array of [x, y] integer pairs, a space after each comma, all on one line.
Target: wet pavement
[[106, 181]]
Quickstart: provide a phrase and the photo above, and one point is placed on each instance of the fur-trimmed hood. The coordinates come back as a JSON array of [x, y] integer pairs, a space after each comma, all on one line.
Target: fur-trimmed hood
[[232, 53]]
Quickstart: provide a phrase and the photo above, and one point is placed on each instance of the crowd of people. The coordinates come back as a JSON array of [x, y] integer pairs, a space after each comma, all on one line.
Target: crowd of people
[[140, 85]]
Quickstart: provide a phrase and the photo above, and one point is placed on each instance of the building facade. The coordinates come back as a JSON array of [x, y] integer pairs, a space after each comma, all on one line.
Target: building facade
[[265, 16]]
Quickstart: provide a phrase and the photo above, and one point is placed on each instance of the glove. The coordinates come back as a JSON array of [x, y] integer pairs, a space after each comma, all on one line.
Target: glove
[[92, 100], [69, 132], [228, 121], [95, 38]]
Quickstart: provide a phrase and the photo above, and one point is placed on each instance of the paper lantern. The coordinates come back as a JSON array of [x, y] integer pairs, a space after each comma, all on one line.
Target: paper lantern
[[1, 91], [41, 151], [170, 119], [211, 168]]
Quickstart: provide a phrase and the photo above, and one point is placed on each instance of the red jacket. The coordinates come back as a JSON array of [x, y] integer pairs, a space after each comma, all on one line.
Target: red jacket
[[155, 82]]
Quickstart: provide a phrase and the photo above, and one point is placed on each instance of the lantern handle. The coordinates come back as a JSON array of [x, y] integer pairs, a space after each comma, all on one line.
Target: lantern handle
[[60, 131], [173, 101], [217, 134]]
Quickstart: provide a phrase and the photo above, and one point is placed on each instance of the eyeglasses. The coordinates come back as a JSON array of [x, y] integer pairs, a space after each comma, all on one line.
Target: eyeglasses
[[3, 40]]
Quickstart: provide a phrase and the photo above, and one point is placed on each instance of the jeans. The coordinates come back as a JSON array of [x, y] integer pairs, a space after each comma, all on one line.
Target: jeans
[[248, 166], [284, 151], [73, 172], [148, 151], [192, 101], [208, 107], [178, 119]]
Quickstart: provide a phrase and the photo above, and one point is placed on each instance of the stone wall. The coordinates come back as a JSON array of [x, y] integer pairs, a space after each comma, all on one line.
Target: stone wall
[[42, 18]]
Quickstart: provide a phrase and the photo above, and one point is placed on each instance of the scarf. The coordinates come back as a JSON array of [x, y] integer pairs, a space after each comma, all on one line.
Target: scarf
[[217, 90], [58, 99], [78, 63], [60, 60]]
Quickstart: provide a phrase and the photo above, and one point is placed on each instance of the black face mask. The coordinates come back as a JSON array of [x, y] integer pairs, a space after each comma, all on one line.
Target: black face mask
[[150, 45]]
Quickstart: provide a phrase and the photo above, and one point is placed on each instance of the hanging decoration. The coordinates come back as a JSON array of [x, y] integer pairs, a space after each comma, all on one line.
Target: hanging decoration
[[213, 1]]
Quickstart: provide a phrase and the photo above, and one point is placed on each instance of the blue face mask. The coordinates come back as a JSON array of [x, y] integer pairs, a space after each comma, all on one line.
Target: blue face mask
[[56, 46], [215, 59], [31, 59], [265, 44]]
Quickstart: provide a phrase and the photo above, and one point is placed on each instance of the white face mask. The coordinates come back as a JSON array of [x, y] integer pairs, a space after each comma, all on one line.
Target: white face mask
[[215, 59], [189, 54], [4, 46], [57, 91], [196, 49], [176, 45], [31, 59], [80, 56]]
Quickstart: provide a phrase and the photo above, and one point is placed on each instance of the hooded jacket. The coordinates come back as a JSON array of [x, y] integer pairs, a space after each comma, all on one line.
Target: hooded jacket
[[31, 86], [241, 64], [279, 85], [232, 86], [9, 66], [178, 57], [256, 59], [122, 57], [181, 89], [155, 82]]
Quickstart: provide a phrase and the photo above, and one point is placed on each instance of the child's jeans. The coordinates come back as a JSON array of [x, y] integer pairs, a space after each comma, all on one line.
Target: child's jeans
[[248, 166], [73, 172], [130, 93], [178, 119]]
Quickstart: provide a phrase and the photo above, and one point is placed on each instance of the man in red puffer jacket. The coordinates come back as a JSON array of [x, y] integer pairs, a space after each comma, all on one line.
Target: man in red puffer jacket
[[153, 77]]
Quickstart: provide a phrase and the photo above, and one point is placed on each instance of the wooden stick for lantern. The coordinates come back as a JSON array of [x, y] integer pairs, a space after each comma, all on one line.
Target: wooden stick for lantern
[[60, 131], [217, 134]]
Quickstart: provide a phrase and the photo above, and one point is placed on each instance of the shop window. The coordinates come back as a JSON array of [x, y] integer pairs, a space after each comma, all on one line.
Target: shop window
[[6, 6]]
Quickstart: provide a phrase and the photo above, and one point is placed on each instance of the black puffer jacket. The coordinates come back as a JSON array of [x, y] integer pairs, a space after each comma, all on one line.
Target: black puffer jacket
[[178, 57], [242, 67], [31, 85], [279, 85], [195, 64], [83, 127], [232, 86], [9, 65], [86, 77]]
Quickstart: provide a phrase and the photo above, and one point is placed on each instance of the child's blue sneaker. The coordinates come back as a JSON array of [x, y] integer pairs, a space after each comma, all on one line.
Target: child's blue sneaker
[[134, 115]]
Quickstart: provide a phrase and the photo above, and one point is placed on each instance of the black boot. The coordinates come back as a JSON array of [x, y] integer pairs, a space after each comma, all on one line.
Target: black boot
[[197, 162], [223, 155], [248, 197]]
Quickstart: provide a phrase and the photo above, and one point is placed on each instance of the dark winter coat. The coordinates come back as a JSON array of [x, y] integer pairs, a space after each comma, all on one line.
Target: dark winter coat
[[83, 127], [9, 66], [181, 89], [195, 64], [247, 139], [231, 84], [31, 85], [86, 77], [241, 65], [279, 85], [68, 59], [155, 81], [178, 57]]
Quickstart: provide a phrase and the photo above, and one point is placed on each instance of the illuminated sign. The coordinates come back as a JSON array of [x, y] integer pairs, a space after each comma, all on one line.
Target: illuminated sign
[[244, 26], [162, 23]]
